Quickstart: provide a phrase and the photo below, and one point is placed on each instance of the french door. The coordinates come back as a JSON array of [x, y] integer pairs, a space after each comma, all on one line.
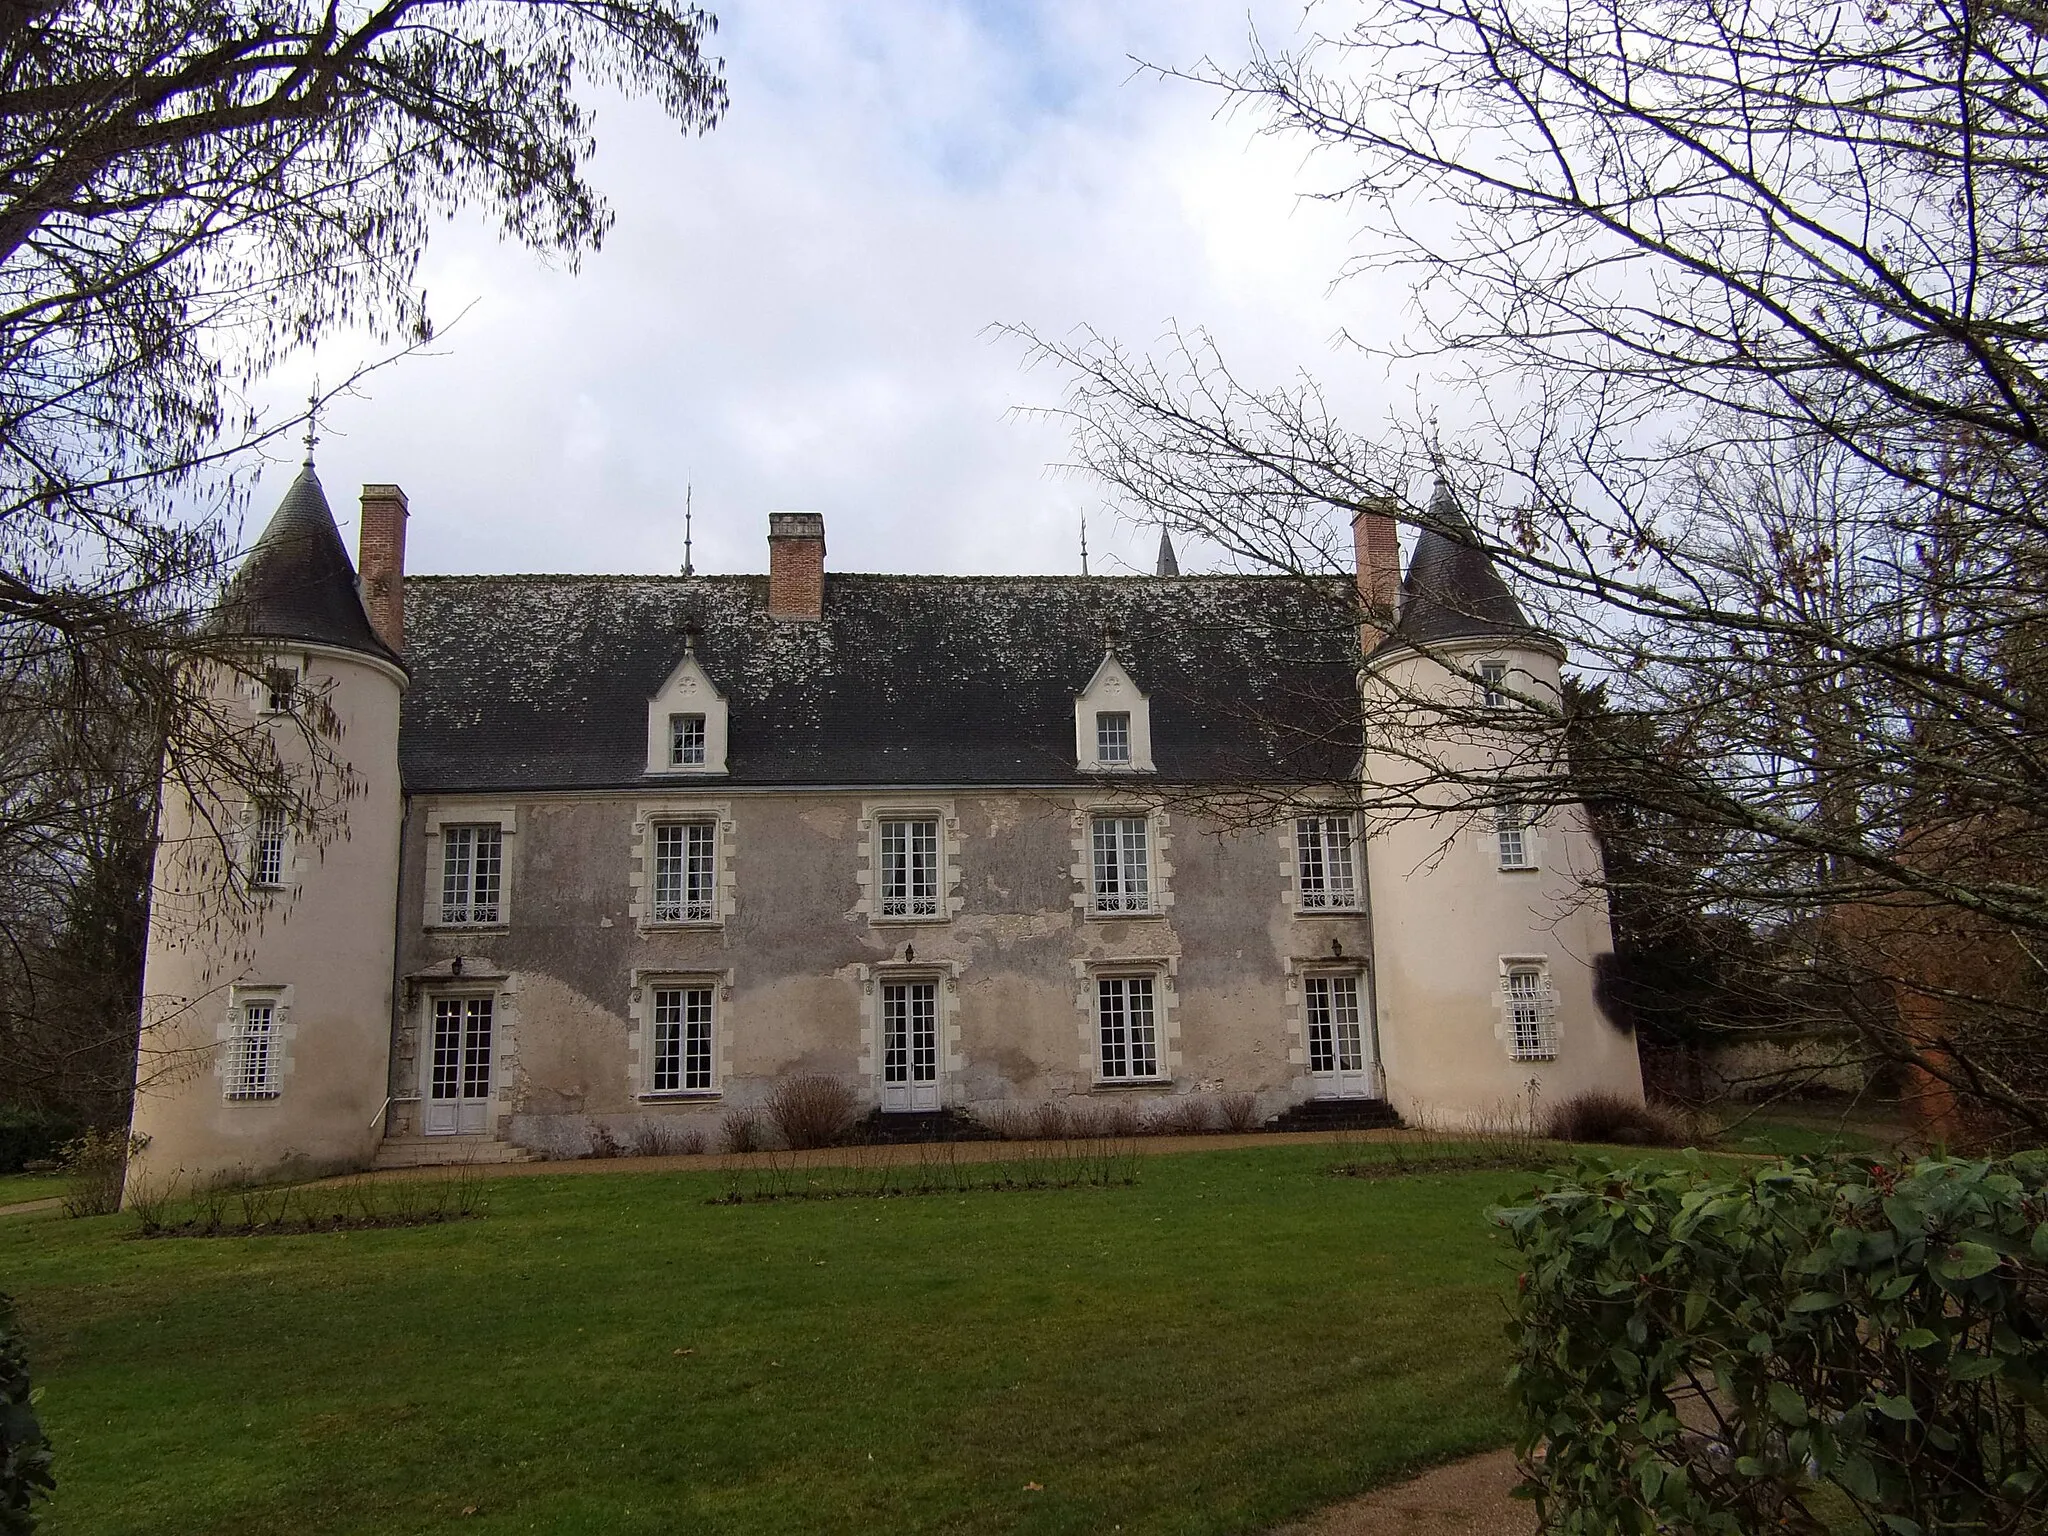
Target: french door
[[910, 1046], [1340, 1062], [459, 1070]]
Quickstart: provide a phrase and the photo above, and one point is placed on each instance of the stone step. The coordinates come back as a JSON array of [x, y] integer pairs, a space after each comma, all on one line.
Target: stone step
[[446, 1151], [1336, 1115]]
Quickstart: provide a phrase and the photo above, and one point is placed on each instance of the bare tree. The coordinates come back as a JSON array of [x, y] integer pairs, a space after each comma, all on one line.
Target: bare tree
[[190, 192], [1748, 309]]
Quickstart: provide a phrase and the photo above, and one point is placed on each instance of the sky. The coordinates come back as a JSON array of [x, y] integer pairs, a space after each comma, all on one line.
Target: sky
[[794, 312]]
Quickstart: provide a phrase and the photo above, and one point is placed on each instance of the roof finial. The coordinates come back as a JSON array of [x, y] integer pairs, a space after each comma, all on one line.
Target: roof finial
[[1111, 633], [1084, 541], [312, 422], [689, 495]]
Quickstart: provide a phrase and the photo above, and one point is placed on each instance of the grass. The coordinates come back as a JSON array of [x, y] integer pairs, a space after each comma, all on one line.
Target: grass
[[1236, 1339], [1795, 1130], [17, 1187]]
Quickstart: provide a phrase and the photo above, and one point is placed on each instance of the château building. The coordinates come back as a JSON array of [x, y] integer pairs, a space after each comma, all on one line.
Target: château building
[[613, 848]]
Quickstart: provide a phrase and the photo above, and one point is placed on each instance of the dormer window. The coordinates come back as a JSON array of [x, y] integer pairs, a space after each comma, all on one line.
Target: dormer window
[[686, 741], [1112, 722], [686, 722], [1113, 738]]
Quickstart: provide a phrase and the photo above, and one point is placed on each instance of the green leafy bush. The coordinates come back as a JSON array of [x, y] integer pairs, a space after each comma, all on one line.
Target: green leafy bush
[[1818, 1342], [24, 1450]]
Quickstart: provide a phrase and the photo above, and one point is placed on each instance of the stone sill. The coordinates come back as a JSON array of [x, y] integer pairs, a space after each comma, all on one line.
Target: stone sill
[[682, 1096], [1134, 1085], [1153, 916], [468, 928]]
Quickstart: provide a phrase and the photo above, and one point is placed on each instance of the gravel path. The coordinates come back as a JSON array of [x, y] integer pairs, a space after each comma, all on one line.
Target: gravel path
[[1466, 1498]]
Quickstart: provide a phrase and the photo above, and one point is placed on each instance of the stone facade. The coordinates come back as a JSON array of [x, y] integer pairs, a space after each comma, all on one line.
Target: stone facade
[[628, 849], [798, 955]]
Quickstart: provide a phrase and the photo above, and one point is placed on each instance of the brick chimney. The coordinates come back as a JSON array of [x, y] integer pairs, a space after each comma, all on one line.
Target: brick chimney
[[1375, 544], [380, 562], [796, 565]]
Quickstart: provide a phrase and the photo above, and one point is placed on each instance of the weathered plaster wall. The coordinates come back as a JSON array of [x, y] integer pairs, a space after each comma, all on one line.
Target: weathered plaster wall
[[801, 954], [1449, 917], [325, 941]]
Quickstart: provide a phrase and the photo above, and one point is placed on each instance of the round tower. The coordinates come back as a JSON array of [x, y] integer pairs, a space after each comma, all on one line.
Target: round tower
[[1488, 922], [267, 990]]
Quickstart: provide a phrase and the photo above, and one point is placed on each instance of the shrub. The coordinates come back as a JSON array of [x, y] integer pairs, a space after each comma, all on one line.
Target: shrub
[[1613, 1119], [25, 1455], [1732, 1355], [1051, 1122], [664, 1138], [1182, 1117], [1240, 1112], [740, 1130], [811, 1110], [602, 1142], [1007, 1122], [97, 1166], [33, 1136]]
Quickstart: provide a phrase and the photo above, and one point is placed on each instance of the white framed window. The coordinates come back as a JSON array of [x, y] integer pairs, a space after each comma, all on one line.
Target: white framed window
[[685, 871], [1531, 1020], [1127, 1028], [1511, 835], [1335, 1023], [253, 1048], [280, 689], [267, 854], [1121, 864], [682, 1017], [472, 874], [909, 870], [1326, 863], [686, 741], [1492, 684], [1113, 737]]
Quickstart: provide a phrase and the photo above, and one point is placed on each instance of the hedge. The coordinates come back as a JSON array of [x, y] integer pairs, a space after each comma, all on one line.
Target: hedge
[[24, 1451], [1820, 1341]]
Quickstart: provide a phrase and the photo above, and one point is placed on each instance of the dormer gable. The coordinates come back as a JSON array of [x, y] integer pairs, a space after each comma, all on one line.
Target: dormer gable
[[1112, 722], [686, 722]]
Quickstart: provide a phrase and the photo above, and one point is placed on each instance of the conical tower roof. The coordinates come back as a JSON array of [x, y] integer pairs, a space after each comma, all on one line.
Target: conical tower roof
[[297, 583], [1167, 564], [1453, 590]]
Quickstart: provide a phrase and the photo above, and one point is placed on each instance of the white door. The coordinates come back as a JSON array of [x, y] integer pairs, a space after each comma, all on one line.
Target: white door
[[1339, 1063], [459, 1071], [910, 1046]]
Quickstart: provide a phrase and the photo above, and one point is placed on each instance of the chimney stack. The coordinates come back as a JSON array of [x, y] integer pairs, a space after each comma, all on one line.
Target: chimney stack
[[1375, 543], [796, 565], [380, 562]]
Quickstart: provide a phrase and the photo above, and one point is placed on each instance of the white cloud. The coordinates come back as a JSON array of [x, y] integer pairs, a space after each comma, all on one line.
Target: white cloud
[[794, 310]]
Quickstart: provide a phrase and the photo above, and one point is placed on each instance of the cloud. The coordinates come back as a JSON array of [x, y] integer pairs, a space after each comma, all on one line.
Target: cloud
[[794, 311]]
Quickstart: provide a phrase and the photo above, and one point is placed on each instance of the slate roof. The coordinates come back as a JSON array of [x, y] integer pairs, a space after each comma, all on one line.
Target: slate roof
[[297, 582], [542, 682], [1453, 590]]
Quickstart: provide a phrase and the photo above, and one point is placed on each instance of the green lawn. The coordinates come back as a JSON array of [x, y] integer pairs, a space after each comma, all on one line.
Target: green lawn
[[1792, 1130], [16, 1187], [1235, 1340]]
